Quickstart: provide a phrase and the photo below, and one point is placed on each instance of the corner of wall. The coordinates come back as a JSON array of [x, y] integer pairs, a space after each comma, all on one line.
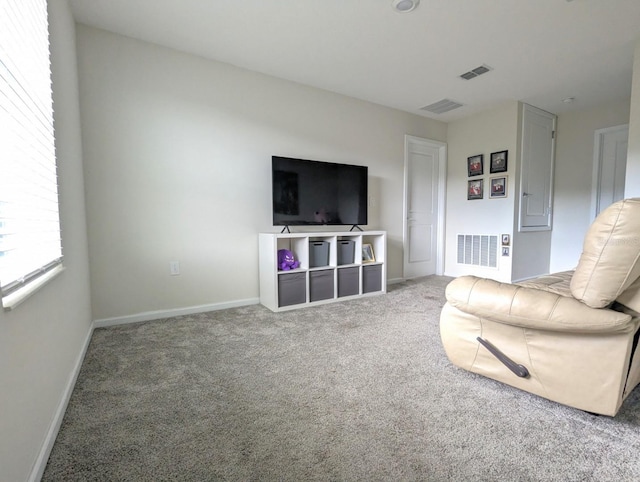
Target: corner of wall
[[632, 184]]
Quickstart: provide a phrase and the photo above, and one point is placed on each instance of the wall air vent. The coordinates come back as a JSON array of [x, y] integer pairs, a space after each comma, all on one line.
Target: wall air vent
[[472, 74], [478, 250], [442, 106]]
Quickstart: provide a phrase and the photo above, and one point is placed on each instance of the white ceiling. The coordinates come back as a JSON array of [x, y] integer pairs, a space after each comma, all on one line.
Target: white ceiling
[[541, 51]]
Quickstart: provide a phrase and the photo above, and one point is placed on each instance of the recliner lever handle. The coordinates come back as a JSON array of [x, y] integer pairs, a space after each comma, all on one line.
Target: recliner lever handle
[[519, 370]]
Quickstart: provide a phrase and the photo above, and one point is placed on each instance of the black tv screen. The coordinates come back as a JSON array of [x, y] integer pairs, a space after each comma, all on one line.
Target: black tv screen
[[307, 192]]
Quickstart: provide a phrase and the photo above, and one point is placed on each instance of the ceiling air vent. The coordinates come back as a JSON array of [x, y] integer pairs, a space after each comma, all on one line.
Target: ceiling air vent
[[472, 74], [440, 107]]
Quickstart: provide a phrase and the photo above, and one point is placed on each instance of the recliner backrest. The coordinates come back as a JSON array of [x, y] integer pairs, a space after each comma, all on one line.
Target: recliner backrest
[[610, 259]]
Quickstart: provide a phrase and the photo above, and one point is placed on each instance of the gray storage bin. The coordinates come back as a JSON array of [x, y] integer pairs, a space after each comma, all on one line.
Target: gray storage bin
[[346, 251], [372, 278], [348, 281], [318, 254], [321, 285], [292, 289]]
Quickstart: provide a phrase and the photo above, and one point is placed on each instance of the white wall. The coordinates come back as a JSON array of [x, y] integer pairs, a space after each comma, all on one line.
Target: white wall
[[178, 167], [484, 133], [42, 339], [573, 178], [632, 185]]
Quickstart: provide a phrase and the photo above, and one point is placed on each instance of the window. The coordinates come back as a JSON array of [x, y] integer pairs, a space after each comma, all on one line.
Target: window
[[30, 244]]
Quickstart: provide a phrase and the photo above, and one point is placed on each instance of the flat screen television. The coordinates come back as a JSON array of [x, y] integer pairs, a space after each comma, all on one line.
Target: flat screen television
[[307, 192]]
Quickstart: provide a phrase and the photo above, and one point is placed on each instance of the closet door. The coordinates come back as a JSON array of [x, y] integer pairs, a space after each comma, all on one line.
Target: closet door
[[536, 173]]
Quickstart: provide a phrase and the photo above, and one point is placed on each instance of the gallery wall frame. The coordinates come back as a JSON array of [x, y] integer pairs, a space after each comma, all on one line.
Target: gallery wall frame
[[498, 187], [475, 189], [498, 161], [475, 165]]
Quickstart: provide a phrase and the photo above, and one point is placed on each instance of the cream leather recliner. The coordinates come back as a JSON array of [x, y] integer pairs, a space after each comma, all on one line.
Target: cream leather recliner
[[571, 337]]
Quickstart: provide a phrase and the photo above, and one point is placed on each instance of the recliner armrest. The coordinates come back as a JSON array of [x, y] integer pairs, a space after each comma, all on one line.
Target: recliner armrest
[[532, 308]]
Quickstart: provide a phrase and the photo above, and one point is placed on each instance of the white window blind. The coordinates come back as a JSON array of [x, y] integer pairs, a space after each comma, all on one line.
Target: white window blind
[[30, 242]]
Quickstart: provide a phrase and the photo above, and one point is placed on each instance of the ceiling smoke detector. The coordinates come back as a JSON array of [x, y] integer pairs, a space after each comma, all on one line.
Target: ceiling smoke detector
[[404, 6]]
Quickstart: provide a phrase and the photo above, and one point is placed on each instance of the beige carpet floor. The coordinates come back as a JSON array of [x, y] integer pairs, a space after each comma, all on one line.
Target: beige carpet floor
[[352, 391]]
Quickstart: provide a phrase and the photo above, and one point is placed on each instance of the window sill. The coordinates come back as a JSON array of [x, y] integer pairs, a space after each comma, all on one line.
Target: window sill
[[10, 302]]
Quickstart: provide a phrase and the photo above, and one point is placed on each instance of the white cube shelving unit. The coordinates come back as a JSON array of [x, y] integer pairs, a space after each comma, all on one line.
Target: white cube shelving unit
[[306, 286]]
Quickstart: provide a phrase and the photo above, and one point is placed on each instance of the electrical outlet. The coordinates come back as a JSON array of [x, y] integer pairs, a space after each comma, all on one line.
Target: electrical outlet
[[174, 268]]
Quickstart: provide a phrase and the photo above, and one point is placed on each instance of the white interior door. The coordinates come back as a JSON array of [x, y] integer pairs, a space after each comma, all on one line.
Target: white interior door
[[424, 206], [609, 167]]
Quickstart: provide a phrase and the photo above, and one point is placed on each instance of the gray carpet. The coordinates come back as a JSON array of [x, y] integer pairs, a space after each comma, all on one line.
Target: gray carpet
[[356, 390]]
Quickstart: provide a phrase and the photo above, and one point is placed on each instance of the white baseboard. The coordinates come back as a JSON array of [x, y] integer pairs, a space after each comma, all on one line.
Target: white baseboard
[[158, 315], [56, 421]]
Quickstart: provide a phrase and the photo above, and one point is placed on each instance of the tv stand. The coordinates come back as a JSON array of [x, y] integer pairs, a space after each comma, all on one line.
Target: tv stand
[[343, 274], [286, 228], [355, 226]]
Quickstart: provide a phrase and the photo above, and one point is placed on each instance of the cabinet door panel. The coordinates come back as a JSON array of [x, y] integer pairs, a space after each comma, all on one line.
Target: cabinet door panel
[[536, 180]]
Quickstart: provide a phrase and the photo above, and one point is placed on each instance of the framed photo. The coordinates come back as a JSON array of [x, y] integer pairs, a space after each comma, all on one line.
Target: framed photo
[[475, 189], [505, 251], [506, 240], [498, 161], [367, 254], [498, 187], [475, 165]]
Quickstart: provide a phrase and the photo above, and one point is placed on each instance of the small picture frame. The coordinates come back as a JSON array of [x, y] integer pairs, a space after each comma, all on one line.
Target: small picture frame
[[498, 187], [506, 240], [498, 162], [475, 165], [475, 189], [505, 251], [367, 254]]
